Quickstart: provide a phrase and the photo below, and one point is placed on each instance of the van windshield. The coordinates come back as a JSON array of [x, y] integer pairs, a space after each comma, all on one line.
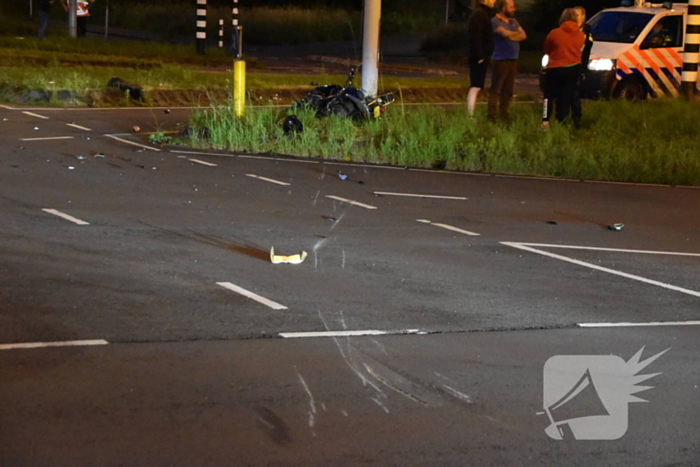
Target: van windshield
[[618, 26]]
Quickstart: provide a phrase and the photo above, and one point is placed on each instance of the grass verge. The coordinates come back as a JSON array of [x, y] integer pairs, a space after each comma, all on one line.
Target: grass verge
[[650, 142]]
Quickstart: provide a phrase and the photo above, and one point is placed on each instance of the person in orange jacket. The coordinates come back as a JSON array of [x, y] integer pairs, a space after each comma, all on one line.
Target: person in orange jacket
[[563, 45], [82, 13]]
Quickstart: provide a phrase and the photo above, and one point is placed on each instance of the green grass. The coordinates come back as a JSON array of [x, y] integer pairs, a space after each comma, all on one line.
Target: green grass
[[649, 142]]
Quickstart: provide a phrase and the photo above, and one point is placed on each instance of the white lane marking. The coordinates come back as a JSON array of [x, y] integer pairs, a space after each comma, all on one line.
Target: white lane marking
[[7, 107], [356, 203], [600, 268], [31, 114], [267, 179], [252, 295], [449, 227], [615, 250], [369, 332], [36, 345], [414, 195], [195, 153], [48, 138], [132, 143], [65, 216], [651, 323], [203, 162], [346, 164], [279, 159], [78, 127]]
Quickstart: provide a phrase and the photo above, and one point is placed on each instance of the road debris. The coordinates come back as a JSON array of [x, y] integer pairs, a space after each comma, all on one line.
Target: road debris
[[292, 259], [136, 128], [616, 227], [552, 222], [342, 176]]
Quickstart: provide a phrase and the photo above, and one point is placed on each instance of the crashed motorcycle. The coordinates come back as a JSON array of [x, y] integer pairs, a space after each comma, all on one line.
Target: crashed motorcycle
[[345, 101]]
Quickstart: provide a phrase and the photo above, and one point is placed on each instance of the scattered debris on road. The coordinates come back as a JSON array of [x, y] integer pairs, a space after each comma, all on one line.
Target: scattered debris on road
[[292, 259]]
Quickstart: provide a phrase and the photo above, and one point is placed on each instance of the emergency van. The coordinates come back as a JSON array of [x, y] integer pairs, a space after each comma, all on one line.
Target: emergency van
[[637, 51]]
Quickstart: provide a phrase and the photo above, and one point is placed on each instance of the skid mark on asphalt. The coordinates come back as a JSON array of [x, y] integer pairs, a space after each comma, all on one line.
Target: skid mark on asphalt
[[65, 216], [529, 247]]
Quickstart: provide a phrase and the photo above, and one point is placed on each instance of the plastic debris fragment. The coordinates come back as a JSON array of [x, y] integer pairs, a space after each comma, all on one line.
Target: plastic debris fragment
[[292, 259], [616, 227]]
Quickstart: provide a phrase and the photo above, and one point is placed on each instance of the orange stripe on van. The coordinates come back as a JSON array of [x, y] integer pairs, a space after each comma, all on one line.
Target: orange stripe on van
[[647, 61], [664, 57]]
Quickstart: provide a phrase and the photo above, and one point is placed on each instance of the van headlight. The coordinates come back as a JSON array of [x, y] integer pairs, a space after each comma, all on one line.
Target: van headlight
[[601, 64], [545, 61]]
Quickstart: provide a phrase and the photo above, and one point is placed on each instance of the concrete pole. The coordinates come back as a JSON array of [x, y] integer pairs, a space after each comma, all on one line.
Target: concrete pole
[[691, 52], [370, 46], [73, 18]]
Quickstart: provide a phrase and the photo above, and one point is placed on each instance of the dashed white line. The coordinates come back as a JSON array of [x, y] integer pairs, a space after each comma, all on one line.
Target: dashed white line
[[196, 153], [349, 201], [449, 227], [65, 216], [78, 127], [209, 164], [252, 295], [414, 195], [31, 114], [132, 143], [522, 246], [369, 332], [267, 179], [48, 138], [36, 345], [651, 323], [299, 161]]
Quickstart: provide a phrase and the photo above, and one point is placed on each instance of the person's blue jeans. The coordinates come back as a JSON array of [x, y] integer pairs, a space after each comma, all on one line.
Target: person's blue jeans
[[43, 23]]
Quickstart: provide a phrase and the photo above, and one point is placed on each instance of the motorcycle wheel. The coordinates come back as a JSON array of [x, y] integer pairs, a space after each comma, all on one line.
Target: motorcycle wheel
[[344, 109]]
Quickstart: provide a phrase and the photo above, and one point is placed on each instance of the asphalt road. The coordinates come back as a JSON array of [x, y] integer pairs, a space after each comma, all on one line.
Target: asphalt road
[[143, 323]]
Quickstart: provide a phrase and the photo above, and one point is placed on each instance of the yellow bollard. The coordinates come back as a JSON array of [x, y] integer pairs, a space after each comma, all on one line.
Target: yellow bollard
[[239, 88]]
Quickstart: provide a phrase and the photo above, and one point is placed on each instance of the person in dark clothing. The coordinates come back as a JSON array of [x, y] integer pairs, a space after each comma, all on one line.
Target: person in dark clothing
[[44, 16], [481, 45], [576, 108], [508, 34], [563, 45]]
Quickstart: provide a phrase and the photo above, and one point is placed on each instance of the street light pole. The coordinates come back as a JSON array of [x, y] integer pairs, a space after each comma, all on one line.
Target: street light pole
[[73, 18], [370, 46]]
